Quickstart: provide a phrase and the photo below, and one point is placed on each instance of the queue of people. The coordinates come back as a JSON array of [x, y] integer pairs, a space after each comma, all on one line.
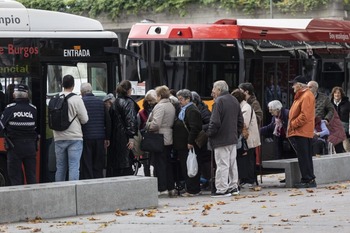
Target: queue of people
[[107, 128]]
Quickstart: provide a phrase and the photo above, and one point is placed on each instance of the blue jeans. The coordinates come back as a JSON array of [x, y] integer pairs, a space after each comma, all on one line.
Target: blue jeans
[[68, 154]]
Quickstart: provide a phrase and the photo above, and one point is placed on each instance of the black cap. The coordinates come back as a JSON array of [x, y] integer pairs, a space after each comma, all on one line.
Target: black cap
[[21, 87], [299, 79]]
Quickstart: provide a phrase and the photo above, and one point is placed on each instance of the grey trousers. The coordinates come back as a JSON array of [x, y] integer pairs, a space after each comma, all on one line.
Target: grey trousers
[[226, 177]]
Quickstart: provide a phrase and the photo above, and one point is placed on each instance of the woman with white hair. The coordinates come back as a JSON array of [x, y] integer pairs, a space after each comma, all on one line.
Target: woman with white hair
[[278, 127]]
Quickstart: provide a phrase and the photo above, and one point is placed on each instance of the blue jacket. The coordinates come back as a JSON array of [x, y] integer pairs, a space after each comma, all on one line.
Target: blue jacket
[[95, 128]]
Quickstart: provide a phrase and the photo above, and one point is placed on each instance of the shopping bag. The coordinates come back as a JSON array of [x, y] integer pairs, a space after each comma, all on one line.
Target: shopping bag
[[192, 164], [137, 144], [152, 142]]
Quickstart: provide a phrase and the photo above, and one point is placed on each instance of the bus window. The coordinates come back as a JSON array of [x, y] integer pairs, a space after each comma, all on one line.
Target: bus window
[[97, 76], [95, 73]]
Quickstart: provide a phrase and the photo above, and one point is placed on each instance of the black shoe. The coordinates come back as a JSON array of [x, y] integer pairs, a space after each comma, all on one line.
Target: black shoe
[[234, 191], [283, 181], [310, 184]]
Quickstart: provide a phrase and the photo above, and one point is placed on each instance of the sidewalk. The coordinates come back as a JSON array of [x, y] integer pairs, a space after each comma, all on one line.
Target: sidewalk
[[268, 208]]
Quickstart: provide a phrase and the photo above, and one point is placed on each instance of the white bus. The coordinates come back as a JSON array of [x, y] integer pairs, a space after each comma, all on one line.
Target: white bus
[[38, 48]]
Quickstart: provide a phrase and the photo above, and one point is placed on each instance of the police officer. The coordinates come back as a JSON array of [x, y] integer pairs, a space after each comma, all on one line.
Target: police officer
[[18, 122]]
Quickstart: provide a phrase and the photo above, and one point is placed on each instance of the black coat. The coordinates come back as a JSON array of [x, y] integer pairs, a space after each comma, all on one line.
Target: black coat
[[183, 136], [205, 114], [124, 127], [226, 121]]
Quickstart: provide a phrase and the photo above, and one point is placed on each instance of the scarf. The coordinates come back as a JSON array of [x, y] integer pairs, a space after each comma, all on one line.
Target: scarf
[[183, 110], [278, 131]]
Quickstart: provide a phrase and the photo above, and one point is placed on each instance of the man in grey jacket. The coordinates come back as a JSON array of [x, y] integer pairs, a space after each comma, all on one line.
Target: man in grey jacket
[[225, 126]]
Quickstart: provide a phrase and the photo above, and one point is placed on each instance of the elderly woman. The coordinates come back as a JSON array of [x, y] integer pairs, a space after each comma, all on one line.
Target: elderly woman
[[277, 127], [161, 121], [341, 103], [186, 129], [246, 162]]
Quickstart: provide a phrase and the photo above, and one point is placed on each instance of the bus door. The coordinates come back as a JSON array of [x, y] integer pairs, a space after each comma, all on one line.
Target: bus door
[[275, 86], [94, 73]]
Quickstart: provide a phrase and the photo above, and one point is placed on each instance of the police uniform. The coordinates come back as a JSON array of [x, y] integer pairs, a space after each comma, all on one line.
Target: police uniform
[[18, 122]]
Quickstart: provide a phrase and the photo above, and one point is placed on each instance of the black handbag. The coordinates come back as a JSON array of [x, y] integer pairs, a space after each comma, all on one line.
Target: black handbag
[[152, 142], [201, 139]]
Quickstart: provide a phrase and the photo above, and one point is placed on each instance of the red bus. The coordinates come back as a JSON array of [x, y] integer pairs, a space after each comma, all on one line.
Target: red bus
[[266, 52], [38, 48]]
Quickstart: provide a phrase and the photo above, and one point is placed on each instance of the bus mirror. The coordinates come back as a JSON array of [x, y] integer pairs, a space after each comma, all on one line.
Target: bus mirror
[[141, 70]]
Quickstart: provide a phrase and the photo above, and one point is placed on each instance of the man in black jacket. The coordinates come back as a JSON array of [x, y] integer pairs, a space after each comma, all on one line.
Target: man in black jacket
[[225, 125], [96, 135]]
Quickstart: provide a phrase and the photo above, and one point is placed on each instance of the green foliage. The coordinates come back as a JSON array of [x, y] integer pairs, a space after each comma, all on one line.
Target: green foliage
[[115, 8]]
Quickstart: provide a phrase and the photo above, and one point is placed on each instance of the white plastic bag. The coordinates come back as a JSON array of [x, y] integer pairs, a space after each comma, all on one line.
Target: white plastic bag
[[192, 164]]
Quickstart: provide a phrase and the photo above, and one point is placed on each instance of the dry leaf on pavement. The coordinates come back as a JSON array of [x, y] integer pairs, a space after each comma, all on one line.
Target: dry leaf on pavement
[[208, 206], [245, 226], [118, 212], [36, 230]]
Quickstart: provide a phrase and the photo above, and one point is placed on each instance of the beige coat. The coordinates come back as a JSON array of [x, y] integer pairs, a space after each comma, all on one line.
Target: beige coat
[[161, 120], [252, 123]]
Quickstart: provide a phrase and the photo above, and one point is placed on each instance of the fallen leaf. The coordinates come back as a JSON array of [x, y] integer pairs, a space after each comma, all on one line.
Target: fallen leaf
[[296, 193], [245, 226], [118, 212], [310, 190], [93, 219], [140, 213], [151, 213], [221, 203], [208, 206], [205, 212], [284, 220], [36, 230], [35, 220], [257, 188], [317, 211], [304, 215], [272, 193], [3, 229]]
